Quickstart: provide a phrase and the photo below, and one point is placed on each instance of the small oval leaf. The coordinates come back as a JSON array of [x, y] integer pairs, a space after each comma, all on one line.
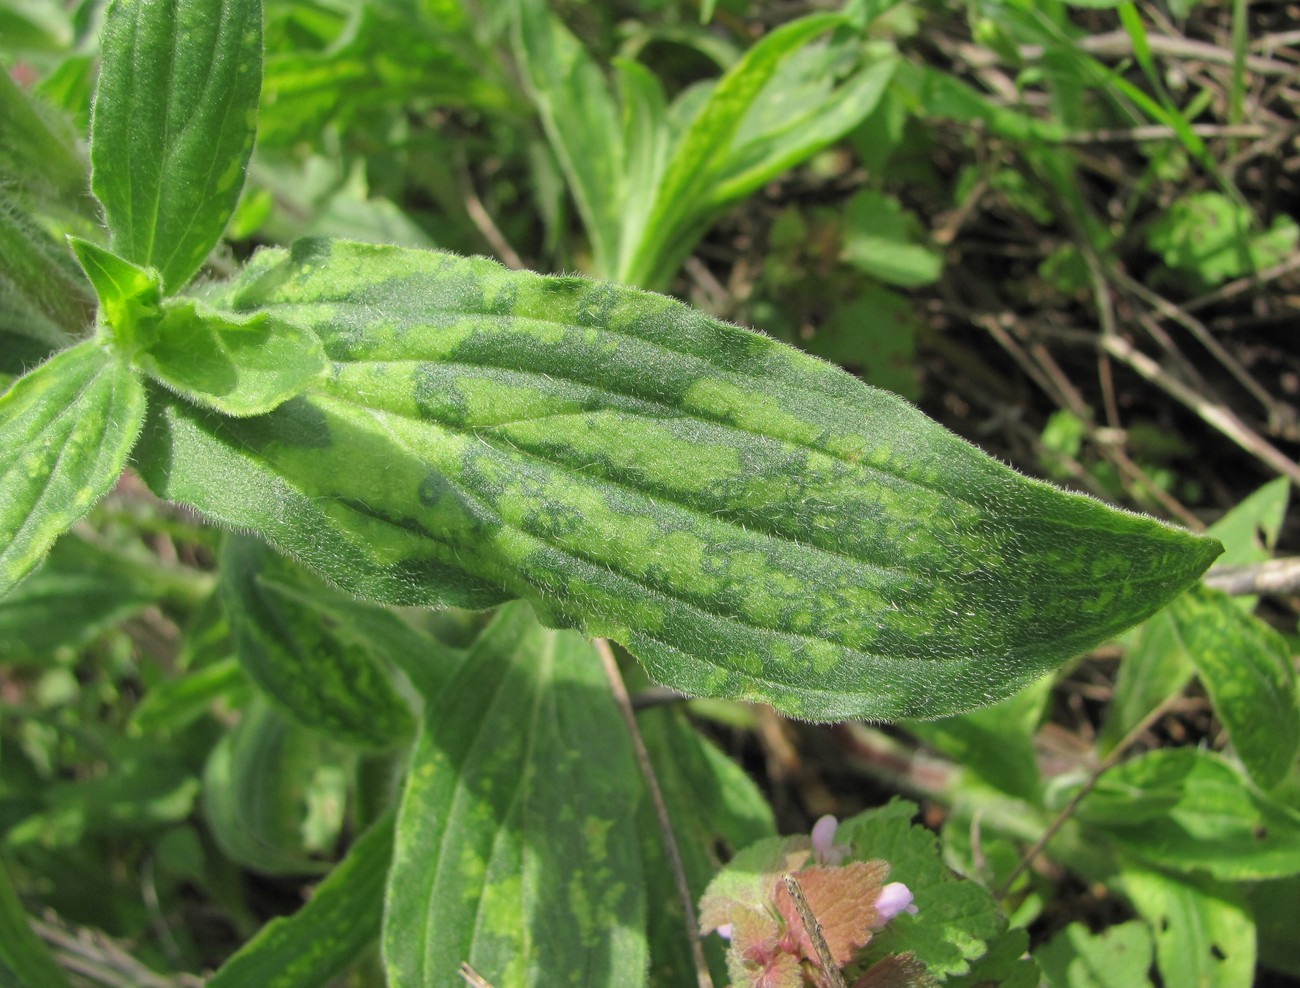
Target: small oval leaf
[[749, 521]]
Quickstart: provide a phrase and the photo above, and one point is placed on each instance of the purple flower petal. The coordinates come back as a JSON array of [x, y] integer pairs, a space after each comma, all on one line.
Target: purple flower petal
[[893, 899]]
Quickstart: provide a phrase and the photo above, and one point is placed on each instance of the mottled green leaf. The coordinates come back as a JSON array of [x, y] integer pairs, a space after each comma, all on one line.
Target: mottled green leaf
[[749, 521], [1203, 933], [1117, 957], [1189, 810], [258, 786], [1246, 668], [239, 366], [25, 962], [174, 117], [516, 847], [304, 654], [66, 429], [338, 922]]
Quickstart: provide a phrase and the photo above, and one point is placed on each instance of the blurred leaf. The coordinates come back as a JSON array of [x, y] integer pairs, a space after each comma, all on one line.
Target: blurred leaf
[[175, 113], [1207, 235], [257, 792], [886, 241], [65, 431], [144, 790], [714, 808], [173, 704], [304, 653], [338, 922], [1117, 957], [1156, 666], [384, 56], [749, 521], [78, 592], [43, 295], [1006, 964], [1245, 666], [25, 962], [38, 149], [1189, 810], [995, 744], [873, 335], [1203, 934], [516, 846]]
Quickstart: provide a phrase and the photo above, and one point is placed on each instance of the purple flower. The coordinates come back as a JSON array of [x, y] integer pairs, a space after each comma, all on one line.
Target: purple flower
[[893, 899], [825, 849]]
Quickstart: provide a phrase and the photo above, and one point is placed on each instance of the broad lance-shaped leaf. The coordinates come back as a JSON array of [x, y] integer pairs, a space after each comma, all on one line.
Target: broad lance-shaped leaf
[[66, 429], [516, 847], [175, 112], [749, 521]]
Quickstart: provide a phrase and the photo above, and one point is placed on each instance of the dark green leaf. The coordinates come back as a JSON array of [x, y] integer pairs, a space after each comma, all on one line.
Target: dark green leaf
[[1273, 905], [1189, 810], [1246, 668], [237, 366], [338, 922], [25, 962], [175, 114], [66, 429], [750, 522], [516, 846], [1204, 935], [304, 653]]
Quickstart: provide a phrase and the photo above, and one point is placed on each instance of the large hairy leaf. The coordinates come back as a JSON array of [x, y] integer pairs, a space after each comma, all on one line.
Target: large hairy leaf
[[749, 521]]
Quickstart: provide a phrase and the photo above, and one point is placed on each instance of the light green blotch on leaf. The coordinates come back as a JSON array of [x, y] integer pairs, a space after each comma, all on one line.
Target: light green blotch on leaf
[[488, 402], [751, 410]]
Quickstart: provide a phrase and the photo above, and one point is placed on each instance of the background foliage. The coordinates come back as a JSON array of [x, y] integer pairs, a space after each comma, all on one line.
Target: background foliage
[[1065, 230]]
